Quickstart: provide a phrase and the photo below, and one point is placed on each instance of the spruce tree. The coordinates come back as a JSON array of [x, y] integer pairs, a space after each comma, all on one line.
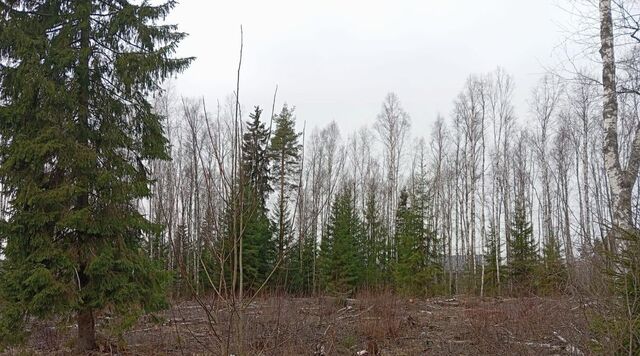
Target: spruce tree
[[373, 242], [492, 260], [409, 269], [552, 272], [258, 245], [429, 243], [524, 254], [339, 260], [256, 160], [301, 266], [76, 128]]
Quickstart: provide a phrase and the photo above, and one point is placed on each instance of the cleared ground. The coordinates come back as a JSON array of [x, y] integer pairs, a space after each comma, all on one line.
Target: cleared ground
[[382, 324]]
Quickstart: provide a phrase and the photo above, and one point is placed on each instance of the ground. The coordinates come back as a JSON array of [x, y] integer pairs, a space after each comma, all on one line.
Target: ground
[[365, 325]]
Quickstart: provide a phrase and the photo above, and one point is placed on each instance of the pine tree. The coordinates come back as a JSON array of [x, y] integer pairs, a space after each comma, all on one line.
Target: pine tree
[[76, 129], [524, 254], [339, 260], [285, 156]]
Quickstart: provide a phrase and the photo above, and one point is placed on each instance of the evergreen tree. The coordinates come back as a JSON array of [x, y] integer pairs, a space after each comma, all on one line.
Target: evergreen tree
[[409, 270], [339, 261], [285, 156], [301, 262], [492, 260], [255, 159], [430, 244], [373, 243], [76, 129], [258, 245], [524, 254], [553, 272]]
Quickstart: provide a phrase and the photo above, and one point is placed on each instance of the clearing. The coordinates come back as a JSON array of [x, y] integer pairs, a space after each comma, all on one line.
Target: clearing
[[367, 325]]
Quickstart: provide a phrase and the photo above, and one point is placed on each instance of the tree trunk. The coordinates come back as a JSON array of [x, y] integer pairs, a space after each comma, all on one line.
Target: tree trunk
[[86, 331], [621, 181], [610, 117]]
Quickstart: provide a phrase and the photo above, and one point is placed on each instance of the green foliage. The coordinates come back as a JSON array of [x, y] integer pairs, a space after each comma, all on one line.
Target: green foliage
[[285, 149], [375, 272], [283, 232], [552, 275], [408, 270], [285, 157], [258, 249], [77, 127], [417, 269], [524, 254], [493, 261], [256, 160], [301, 267], [340, 261]]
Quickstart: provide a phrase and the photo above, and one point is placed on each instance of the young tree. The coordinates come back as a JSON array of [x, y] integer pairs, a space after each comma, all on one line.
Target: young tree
[[373, 241], [340, 260], [409, 269], [553, 272], [493, 260], [524, 255], [77, 129]]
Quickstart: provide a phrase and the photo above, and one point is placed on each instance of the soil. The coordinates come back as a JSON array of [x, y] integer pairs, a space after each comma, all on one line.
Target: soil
[[367, 325]]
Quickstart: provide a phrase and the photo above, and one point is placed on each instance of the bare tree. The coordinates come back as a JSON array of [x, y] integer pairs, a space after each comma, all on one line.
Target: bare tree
[[392, 125], [545, 102], [621, 178]]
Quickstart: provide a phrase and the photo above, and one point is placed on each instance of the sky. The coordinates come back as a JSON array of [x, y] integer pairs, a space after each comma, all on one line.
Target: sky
[[336, 60]]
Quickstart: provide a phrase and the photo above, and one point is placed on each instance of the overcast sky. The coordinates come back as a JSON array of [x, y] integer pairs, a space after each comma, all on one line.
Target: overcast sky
[[336, 60]]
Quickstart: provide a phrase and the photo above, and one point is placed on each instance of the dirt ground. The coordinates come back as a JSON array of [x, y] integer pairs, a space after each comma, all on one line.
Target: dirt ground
[[367, 325]]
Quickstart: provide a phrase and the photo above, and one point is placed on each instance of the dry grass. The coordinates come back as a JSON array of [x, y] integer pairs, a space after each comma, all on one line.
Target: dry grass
[[382, 324]]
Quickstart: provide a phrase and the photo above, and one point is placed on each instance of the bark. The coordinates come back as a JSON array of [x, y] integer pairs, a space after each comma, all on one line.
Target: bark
[[86, 330], [621, 181]]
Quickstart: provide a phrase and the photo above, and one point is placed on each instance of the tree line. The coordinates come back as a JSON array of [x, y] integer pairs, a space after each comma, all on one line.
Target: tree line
[[484, 198]]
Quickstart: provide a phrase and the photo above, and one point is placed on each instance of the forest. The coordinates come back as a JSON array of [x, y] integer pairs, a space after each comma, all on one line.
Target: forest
[[136, 220]]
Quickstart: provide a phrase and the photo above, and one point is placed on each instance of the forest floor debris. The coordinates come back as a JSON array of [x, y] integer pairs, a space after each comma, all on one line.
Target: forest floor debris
[[369, 325]]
